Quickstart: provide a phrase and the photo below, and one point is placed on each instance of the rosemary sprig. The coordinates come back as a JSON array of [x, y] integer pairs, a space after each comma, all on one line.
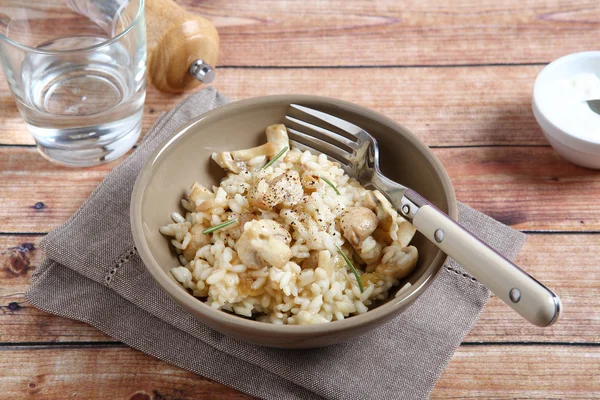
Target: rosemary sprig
[[351, 266], [327, 181], [219, 226], [277, 156]]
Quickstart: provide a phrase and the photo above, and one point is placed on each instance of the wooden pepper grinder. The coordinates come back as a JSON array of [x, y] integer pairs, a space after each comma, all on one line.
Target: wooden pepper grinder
[[182, 47]]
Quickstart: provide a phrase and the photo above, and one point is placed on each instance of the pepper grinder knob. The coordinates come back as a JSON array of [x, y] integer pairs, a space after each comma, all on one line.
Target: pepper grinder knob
[[202, 71]]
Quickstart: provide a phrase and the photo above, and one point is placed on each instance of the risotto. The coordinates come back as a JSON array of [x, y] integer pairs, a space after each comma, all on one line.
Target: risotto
[[288, 238]]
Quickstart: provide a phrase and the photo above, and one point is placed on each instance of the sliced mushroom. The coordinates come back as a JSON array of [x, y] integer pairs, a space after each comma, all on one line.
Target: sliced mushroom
[[288, 187], [357, 224], [397, 261], [369, 250], [392, 226], [406, 231], [312, 261], [284, 189], [385, 212], [371, 278], [226, 161], [198, 241], [264, 242], [277, 135], [235, 161], [200, 197], [236, 231], [370, 201], [309, 183]]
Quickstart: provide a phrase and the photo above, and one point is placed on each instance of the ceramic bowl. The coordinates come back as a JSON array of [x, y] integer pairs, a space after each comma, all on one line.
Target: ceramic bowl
[[185, 157], [573, 130]]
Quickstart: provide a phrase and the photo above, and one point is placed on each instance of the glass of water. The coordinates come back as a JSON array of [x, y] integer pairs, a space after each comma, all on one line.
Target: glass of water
[[76, 69]]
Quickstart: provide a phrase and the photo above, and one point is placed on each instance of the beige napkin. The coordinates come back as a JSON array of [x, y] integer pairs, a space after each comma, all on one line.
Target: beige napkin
[[93, 274]]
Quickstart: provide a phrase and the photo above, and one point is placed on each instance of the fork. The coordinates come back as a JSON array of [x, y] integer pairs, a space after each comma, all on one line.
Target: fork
[[358, 154]]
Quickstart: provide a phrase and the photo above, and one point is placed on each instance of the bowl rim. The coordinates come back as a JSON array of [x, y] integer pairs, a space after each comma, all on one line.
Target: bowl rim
[[180, 294]]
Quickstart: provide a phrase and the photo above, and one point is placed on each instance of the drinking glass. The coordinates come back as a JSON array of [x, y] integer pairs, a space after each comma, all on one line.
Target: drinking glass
[[76, 69]]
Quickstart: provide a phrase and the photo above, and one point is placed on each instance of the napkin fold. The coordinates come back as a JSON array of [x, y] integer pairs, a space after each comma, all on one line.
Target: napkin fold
[[93, 274]]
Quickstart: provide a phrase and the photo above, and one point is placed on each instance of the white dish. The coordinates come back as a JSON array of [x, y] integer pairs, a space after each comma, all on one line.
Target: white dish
[[559, 95]]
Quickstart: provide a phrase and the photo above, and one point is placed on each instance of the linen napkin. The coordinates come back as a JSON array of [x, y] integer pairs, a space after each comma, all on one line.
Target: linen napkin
[[92, 273]]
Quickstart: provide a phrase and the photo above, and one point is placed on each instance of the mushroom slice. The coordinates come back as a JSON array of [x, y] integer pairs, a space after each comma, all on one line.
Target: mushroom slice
[[370, 201], [236, 231], [406, 231], [392, 226], [357, 224], [287, 186], [309, 183], [226, 161], [235, 161], [198, 241], [397, 262], [285, 189], [264, 242], [369, 250], [278, 137], [201, 197], [385, 212], [312, 261]]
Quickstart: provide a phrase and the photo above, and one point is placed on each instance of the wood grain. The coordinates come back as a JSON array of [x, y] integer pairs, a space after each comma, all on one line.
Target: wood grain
[[500, 372], [460, 75], [52, 372], [508, 372], [566, 263], [443, 106], [408, 32], [519, 186]]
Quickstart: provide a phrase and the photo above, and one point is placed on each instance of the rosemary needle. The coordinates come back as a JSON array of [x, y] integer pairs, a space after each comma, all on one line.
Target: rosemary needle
[[277, 156], [219, 226], [354, 271], [327, 181]]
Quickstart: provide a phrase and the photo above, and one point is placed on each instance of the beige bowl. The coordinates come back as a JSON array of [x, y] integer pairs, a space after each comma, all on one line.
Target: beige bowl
[[186, 157]]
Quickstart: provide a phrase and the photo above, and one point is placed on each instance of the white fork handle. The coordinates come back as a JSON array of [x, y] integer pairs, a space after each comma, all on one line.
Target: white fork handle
[[528, 297]]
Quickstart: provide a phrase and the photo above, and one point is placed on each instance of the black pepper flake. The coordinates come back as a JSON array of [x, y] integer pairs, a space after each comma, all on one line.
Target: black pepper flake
[[39, 205], [13, 306]]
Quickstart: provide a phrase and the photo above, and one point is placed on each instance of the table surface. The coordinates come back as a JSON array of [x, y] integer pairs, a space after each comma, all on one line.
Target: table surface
[[460, 76]]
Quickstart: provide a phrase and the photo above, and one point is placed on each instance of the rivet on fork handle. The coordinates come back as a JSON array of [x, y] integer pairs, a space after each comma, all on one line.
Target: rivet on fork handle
[[410, 204]]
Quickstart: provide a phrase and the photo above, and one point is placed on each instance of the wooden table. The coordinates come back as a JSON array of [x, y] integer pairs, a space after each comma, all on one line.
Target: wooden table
[[460, 76]]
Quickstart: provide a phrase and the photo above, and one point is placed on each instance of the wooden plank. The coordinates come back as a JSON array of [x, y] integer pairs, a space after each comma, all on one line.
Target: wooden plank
[[28, 179], [507, 372], [443, 106], [525, 187], [560, 261], [500, 372], [94, 373], [23, 323], [387, 32]]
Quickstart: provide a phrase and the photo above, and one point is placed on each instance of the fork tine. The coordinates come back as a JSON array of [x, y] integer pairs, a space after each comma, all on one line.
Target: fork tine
[[311, 143], [323, 134], [339, 123]]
